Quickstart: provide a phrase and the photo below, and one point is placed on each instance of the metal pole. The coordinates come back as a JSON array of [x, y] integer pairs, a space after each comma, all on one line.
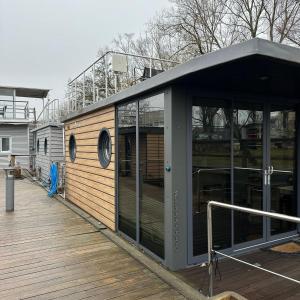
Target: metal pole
[[94, 84], [83, 104], [115, 83], [106, 79], [75, 104], [256, 211], [209, 248], [150, 67]]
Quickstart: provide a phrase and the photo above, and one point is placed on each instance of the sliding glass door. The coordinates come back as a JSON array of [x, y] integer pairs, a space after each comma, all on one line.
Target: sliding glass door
[[141, 172], [242, 154], [282, 162], [247, 169]]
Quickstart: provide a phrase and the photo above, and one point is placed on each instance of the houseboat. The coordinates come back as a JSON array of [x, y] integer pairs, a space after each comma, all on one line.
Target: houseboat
[[223, 126], [17, 118]]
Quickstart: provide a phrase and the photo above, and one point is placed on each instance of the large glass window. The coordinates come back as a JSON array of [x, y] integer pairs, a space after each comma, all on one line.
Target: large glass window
[[147, 190], [127, 168], [248, 170], [211, 150], [282, 160], [151, 170]]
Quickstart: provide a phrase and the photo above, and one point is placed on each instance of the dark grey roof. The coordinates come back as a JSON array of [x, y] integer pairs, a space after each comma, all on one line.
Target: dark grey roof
[[28, 92], [246, 49]]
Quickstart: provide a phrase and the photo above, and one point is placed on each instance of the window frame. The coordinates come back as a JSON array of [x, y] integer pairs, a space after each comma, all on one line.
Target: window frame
[[72, 157], [104, 161], [10, 144]]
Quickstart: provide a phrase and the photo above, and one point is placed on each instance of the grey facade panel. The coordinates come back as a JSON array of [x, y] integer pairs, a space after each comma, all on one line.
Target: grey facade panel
[[20, 144], [54, 136]]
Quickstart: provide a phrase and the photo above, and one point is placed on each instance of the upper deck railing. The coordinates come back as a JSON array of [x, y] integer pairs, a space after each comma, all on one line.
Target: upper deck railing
[[111, 73], [11, 111]]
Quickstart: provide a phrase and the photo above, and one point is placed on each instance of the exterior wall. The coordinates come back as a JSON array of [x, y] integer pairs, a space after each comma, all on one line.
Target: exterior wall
[[88, 185], [20, 144], [42, 161], [56, 145], [54, 135]]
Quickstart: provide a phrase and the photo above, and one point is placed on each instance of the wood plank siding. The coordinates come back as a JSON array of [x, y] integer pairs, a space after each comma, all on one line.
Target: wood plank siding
[[88, 184]]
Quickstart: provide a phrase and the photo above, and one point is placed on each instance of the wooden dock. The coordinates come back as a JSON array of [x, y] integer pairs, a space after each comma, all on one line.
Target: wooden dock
[[49, 252], [248, 281]]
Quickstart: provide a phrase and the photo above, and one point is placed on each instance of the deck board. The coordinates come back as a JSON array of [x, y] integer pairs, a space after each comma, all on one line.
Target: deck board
[[49, 252], [248, 281]]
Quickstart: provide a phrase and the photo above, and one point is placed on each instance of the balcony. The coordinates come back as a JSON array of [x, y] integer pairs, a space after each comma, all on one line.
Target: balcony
[[16, 112]]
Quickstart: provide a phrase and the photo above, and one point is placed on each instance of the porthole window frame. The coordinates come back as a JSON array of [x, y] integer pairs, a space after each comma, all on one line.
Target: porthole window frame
[[72, 156], [104, 161], [45, 146]]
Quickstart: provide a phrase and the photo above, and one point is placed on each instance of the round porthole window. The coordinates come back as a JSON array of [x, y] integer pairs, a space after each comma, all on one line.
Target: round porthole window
[[72, 147], [104, 147], [45, 146], [38, 146]]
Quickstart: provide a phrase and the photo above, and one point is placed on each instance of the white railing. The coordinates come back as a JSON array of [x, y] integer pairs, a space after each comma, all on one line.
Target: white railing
[[16, 110], [257, 212], [99, 80]]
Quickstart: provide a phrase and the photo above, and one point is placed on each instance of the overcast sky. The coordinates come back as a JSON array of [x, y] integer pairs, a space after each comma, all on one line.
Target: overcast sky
[[45, 42]]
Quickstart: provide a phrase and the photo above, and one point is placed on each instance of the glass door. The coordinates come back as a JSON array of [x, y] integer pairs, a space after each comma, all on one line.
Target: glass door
[[244, 154], [248, 170], [281, 170]]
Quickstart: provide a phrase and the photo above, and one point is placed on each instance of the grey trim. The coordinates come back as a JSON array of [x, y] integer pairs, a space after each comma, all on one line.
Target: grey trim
[[249, 48], [47, 125], [138, 173], [27, 92], [298, 162]]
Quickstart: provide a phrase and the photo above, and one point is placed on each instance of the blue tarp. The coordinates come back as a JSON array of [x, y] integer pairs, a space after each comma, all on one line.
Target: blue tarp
[[53, 180]]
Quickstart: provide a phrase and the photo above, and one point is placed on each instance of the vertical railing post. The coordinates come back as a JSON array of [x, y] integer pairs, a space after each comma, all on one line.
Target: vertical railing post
[[209, 248], [116, 79], [94, 98], [83, 104], [150, 67], [106, 78], [75, 104]]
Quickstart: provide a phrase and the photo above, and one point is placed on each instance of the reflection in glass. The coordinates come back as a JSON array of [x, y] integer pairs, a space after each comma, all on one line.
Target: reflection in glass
[[127, 169], [151, 144], [283, 200], [211, 175], [248, 164]]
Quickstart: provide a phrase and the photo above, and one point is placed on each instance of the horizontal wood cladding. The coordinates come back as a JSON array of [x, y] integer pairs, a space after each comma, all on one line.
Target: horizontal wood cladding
[[89, 185]]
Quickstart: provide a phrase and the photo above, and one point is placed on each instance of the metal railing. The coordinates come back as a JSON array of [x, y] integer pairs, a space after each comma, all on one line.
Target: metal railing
[[16, 110], [98, 81], [246, 210]]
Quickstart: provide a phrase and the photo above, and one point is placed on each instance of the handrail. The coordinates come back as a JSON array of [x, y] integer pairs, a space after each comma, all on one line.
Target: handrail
[[246, 210], [120, 53], [47, 107]]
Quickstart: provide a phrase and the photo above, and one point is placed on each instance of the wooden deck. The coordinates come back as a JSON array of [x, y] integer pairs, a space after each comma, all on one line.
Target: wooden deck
[[49, 252], [250, 282]]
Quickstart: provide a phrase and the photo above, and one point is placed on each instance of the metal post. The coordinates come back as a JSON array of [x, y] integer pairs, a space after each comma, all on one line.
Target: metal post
[[94, 84], [210, 249], [150, 67], [75, 104], [14, 104], [83, 104], [116, 78], [9, 189]]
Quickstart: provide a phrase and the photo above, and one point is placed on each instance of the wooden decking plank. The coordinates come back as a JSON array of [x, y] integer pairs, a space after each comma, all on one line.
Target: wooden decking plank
[[47, 252]]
